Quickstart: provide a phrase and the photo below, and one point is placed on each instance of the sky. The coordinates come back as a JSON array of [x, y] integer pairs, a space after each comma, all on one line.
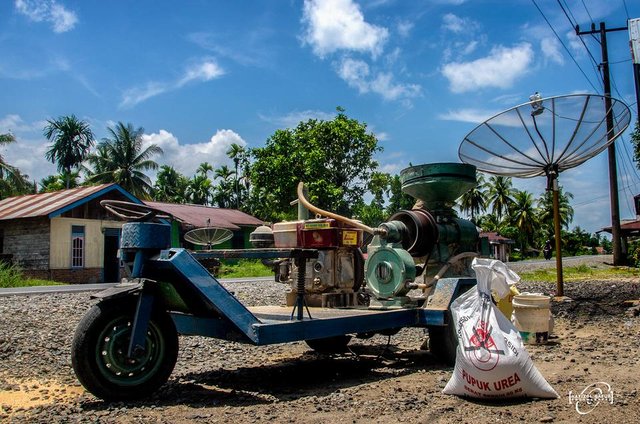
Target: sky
[[199, 75]]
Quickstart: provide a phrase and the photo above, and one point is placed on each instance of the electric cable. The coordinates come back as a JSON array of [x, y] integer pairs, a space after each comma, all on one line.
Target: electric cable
[[565, 46]]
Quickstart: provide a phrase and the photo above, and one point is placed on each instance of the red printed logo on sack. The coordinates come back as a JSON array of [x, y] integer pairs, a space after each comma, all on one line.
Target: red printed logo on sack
[[482, 350]]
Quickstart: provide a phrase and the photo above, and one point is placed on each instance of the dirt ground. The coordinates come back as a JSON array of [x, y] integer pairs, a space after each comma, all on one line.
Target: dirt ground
[[596, 341]]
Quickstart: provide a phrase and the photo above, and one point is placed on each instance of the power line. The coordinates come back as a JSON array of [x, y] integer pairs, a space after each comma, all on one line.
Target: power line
[[566, 10], [564, 45], [587, 10]]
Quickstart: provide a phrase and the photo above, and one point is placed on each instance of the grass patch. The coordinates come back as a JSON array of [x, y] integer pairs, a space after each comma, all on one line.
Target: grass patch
[[11, 276], [581, 273], [244, 268]]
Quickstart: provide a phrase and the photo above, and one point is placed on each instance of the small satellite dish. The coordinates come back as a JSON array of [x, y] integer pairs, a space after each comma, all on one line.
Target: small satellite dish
[[546, 137], [208, 236]]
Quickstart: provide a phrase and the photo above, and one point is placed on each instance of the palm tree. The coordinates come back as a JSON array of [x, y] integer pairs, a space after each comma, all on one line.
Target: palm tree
[[238, 154], [545, 205], [71, 141], [60, 181], [12, 181], [474, 201], [170, 186], [501, 195], [122, 159], [524, 217], [223, 193], [199, 189], [204, 168]]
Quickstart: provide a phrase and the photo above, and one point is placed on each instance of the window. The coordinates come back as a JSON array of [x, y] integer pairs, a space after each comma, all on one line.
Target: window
[[77, 246]]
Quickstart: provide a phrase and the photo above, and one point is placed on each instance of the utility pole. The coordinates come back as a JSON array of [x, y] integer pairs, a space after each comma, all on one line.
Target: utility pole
[[618, 257], [634, 41]]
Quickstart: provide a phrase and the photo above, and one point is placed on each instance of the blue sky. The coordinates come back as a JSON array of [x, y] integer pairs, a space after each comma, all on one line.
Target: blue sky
[[200, 75]]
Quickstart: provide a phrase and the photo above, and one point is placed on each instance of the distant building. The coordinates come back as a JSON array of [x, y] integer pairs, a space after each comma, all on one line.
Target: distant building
[[500, 246], [64, 235], [188, 217], [67, 236]]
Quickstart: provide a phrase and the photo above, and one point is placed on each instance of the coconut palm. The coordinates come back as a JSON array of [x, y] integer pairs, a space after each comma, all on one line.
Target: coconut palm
[[545, 205], [524, 217], [501, 195], [122, 159], [474, 201], [71, 140]]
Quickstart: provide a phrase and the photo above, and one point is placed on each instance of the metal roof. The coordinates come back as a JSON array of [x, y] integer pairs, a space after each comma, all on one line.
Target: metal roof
[[207, 216], [55, 203]]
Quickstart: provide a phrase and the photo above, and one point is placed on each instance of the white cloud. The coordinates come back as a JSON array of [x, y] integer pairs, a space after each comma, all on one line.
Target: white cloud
[[551, 50], [197, 72], [333, 25], [453, 23], [186, 158], [404, 28], [205, 71], [61, 19], [292, 119], [500, 69], [474, 116], [357, 74]]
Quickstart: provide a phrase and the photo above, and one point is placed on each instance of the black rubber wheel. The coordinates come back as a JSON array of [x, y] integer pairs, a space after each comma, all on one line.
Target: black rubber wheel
[[443, 342], [336, 344], [100, 345]]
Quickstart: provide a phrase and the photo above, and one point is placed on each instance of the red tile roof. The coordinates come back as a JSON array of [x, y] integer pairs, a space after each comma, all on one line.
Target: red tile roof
[[207, 216]]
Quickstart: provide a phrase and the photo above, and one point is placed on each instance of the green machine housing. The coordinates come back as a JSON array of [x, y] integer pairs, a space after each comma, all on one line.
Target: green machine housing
[[428, 241]]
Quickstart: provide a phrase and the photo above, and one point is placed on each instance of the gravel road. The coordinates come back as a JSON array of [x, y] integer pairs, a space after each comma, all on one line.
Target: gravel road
[[596, 340]]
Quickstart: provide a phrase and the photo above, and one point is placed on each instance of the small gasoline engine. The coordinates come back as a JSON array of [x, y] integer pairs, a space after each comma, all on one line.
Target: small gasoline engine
[[412, 250]]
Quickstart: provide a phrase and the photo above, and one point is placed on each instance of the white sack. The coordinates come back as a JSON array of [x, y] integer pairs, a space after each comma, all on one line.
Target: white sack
[[491, 361]]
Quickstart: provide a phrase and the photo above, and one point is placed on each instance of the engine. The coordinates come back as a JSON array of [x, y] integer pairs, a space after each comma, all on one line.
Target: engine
[[412, 250]]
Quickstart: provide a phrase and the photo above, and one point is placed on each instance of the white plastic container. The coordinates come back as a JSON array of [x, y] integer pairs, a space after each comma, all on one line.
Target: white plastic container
[[285, 234], [532, 317]]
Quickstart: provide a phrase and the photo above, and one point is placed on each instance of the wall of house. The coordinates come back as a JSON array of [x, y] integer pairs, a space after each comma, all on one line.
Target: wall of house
[[93, 236], [27, 241], [60, 239]]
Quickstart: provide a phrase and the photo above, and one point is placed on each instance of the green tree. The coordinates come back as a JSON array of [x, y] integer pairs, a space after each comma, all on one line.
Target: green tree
[[238, 154], [501, 194], [199, 189], [204, 169], [545, 206], [334, 158], [170, 186], [374, 213], [12, 181], [635, 140], [223, 192], [474, 201], [71, 140], [122, 159], [524, 217], [398, 200], [60, 181]]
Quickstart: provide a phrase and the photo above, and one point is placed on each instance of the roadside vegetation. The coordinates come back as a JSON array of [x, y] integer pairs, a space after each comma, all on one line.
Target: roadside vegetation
[[11, 276], [244, 268], [581, 273]]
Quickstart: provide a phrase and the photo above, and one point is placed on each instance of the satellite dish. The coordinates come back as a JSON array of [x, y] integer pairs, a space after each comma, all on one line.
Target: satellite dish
[[208, 236], [545, 137]]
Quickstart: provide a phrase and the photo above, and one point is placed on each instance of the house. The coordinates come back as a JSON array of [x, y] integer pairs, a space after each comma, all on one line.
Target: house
[[500, 246], [188, 217], [64, 235], [67, 236]]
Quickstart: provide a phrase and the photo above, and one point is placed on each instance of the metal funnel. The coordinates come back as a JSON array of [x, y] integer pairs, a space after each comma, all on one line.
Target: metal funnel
[[438, 184]]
